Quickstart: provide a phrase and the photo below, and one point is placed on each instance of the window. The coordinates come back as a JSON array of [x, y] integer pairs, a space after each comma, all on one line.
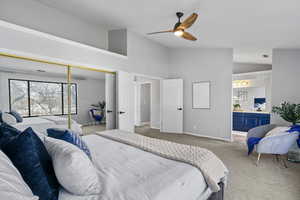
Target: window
[[19, 96], [37, 98]]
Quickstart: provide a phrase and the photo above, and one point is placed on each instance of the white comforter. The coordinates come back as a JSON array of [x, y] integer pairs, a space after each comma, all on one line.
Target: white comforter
[[128, 173], [41, 124]]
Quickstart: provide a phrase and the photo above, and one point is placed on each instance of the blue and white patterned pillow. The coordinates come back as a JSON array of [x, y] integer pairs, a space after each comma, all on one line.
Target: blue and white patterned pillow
[[68, 136]]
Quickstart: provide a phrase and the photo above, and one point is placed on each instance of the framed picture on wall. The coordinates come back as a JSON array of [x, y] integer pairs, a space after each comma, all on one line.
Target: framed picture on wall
[[201, 95]]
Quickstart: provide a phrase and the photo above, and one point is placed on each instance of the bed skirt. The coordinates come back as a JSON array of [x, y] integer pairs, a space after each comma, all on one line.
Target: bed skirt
[[218, 195]]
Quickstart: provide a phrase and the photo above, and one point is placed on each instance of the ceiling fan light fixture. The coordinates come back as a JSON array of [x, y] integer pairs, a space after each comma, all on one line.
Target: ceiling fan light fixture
[[179, 33], [179, 29]]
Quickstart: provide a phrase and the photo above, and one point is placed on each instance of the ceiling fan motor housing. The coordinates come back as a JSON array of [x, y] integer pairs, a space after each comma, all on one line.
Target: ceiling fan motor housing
[[179, 15]]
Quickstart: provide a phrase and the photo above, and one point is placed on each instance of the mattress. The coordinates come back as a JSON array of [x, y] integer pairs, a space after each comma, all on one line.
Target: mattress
[[41, 124], [38, 124], [128, 173]]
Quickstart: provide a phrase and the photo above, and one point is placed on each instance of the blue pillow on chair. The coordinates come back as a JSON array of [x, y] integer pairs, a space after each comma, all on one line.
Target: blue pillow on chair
[[7, 132], [68, 136], [29, 155], [18, 117]]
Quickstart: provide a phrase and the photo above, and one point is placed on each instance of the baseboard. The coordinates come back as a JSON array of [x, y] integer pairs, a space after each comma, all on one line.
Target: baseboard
[[154, 127], [242, 134], [206, 136], [145, 123]]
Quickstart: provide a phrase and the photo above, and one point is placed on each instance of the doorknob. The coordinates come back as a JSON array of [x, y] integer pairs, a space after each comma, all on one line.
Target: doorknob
[[121, 112], [109, 111], [179, 108]]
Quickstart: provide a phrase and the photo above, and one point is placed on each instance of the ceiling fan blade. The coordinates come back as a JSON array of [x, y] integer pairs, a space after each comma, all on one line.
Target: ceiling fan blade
[[188, 36], [168, 31], [188, 22]]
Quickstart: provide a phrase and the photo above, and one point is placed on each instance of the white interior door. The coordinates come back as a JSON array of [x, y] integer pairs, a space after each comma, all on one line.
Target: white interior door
[[110, 98], [125, 101], [172, 105]]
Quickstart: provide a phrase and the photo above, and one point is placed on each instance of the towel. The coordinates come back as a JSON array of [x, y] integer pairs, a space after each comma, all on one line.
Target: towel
[[251, 142]]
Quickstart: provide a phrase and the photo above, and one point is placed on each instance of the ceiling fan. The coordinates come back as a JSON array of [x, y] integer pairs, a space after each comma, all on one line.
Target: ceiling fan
[[180, 27]]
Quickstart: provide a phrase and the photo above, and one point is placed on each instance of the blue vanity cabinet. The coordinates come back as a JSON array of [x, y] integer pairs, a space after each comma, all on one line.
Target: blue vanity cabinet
[[238, 121], [245, 121]]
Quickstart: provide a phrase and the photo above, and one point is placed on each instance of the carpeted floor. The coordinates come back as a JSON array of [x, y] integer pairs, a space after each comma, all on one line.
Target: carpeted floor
[[87, 130], [267, 181]]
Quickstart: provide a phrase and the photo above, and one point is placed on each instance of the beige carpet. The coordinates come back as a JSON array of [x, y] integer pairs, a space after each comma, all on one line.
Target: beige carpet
[[268, 181]]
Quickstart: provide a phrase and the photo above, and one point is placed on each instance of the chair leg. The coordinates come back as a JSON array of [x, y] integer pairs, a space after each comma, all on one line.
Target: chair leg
[[283, 160], [277, 157], [258, 157]]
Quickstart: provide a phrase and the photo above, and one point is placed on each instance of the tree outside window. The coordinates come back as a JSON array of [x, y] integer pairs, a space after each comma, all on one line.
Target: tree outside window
[[36, 98]]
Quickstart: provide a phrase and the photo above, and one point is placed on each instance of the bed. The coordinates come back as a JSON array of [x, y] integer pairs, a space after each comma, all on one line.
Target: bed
[[41, 124], [129, 173]]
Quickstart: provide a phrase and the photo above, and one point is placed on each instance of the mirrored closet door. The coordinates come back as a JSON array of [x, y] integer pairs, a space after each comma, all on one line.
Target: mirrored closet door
[[37, 92], [52, 95]]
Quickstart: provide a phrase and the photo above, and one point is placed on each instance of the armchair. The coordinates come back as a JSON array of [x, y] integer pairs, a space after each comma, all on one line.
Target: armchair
[[277, 144]]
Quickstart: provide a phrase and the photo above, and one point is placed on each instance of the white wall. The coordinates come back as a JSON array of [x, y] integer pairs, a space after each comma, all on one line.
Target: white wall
[[214, 65], [137, 106], [155, 104], [144, 56], [285, 78], [32, 14], [145, 102], [89, 91]]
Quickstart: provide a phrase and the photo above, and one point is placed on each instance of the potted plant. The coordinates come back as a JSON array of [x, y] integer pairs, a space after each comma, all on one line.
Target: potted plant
[[100, 106], [236, 107], [290, 112]]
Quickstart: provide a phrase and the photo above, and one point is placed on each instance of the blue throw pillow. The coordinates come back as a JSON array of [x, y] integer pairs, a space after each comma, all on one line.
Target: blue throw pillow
[[294, 128], [68, 136], [7, 132], [18, 117], [29, 155]]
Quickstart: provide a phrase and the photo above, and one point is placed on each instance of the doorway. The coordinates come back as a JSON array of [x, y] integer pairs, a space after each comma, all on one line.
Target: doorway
[[146, 103], [251, 100]]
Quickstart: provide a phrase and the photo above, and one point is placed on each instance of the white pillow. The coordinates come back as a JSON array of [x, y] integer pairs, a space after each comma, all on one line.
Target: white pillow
[[277, 131], [73, 169], [12, 185], [9, 119]]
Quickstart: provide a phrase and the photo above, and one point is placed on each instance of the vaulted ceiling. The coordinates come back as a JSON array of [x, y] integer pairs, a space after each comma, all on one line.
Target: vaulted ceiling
[[255, 25]]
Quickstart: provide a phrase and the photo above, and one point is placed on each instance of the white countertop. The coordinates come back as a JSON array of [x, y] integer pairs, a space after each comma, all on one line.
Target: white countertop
[[249, 111]]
